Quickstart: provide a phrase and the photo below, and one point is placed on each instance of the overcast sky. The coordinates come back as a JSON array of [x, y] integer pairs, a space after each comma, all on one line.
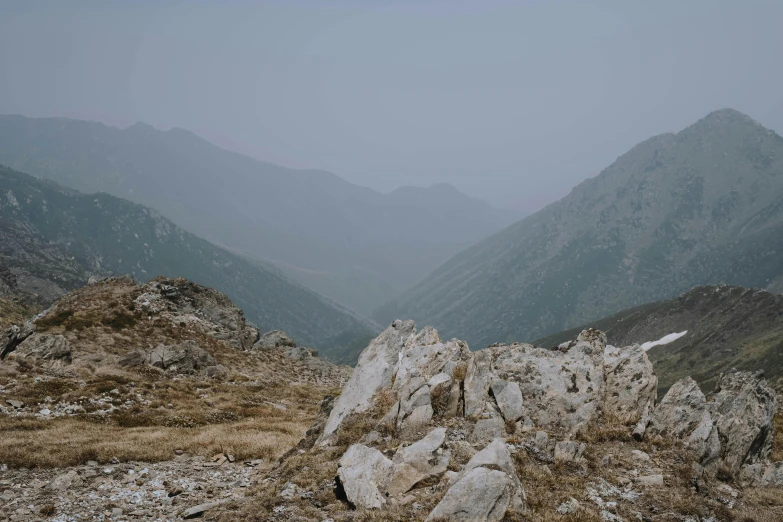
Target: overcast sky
[[514, 102]]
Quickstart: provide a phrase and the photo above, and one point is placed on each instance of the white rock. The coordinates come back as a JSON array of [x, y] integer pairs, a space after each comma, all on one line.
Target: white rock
[[419, 461], [365, 474], [508, 397], [480, 495], [374, 372]]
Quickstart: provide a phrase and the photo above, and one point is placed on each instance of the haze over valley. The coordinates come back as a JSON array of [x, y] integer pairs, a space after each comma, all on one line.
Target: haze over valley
[[356, 261]]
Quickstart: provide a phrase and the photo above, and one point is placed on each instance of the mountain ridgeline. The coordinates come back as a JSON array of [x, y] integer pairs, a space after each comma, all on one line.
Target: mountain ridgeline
[[704, 206], [53, 239], [350, 243]]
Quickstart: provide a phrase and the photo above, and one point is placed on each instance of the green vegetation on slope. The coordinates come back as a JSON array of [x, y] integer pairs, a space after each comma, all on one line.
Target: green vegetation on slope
[[704, 206], [52, 239]]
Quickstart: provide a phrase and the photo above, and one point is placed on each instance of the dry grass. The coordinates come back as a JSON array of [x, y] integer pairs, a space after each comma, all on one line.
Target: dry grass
[[13, 312], [69, 442], [260, 409]]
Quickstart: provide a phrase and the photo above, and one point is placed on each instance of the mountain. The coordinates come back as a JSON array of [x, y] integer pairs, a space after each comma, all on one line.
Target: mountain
[[350, 243], [726, 327], [53, 239], [704, 206]]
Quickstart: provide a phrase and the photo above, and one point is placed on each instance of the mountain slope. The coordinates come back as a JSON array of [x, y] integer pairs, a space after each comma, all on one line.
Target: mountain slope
[[727, 327], [348, 242], [52, 239], [703, 206]]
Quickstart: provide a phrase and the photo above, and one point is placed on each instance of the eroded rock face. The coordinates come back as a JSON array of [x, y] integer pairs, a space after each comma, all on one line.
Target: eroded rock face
[[560, 389], [742, 409], [683, 414], [631, 383], [374, 372]]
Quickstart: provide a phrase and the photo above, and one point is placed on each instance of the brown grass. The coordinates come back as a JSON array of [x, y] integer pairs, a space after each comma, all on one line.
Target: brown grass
[[13, 312], [69, 442]]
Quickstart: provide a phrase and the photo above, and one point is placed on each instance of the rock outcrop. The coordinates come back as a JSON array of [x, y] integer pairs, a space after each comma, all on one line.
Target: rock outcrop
[[450, 401]]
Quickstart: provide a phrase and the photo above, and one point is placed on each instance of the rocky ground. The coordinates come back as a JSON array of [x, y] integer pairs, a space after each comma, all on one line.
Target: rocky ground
[[140, 402], [159, 402], [168, 490], [426, 430]]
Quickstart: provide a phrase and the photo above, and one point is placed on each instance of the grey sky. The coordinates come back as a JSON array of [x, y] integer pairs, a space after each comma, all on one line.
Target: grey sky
[[514, 102]]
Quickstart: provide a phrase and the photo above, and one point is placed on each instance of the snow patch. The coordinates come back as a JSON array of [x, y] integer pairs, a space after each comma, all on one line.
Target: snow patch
[[666, 339]]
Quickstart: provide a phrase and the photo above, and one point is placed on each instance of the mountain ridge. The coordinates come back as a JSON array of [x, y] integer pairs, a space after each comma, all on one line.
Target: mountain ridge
[[702, 206], [311, 220]]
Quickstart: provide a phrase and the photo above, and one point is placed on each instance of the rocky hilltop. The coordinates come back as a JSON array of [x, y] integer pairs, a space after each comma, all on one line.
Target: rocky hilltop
[[428, 430], [141, 401], [700, 207]]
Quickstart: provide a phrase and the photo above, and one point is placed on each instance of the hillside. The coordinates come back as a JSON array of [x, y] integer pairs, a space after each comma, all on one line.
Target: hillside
[[120, 396], [727, 327], [350, 243], [704, 206], [53, 239]]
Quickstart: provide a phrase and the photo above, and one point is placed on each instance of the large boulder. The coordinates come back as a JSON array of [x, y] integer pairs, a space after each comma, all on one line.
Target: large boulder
[[561, 389], [485, 489], [187, 357], [274, 339], [419, 461], [373, 373], [743, 408], [45, 347], [365, 474], [631, 383], [683, 415], [481, 495]]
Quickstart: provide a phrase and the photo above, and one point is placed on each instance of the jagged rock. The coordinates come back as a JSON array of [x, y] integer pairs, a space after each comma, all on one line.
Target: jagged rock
[[743, 408], [482, 494], [683, 414], [14, 336], [373, 373], [508, 397], [561, 389], [631, 383], [274, 339], [187, 357], [477, 382], [569, 451], [45, 347], [365, 474], [419, 461]]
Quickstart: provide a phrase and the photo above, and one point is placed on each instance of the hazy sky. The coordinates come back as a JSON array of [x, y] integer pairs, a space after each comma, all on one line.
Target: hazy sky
[[514, 102]]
